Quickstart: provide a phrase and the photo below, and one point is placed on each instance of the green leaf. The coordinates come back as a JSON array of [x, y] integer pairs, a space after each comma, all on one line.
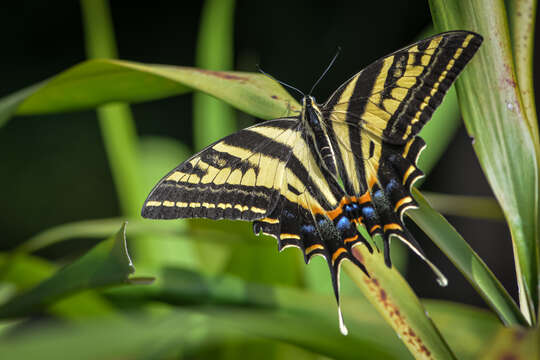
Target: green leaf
[[106, 264], [21, 272], [96, 82], [466, 260], [514, 343], [494, 114], [521, 21], [391, 295], [481, 207], [467, 329], [190, 330]]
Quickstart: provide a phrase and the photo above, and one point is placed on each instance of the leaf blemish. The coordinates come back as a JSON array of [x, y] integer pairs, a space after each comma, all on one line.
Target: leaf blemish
[[401, 325], [223, 75]]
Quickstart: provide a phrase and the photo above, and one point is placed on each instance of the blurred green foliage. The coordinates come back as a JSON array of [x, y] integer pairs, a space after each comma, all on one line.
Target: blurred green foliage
[[220, 293]]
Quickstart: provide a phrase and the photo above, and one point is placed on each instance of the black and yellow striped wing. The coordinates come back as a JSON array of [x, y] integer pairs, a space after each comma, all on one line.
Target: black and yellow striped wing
[[375, 116], [238, 177]]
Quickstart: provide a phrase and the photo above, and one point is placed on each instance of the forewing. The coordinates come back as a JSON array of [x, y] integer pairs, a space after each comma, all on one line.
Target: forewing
[[238, 177], [395, 96]]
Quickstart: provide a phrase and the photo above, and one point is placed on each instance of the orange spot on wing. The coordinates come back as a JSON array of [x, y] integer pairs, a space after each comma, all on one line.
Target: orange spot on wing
[[405, 200], [332, 214], [366, 197], [392, 226], [337, 253], [351, 239], [313, 248], [375, 227]]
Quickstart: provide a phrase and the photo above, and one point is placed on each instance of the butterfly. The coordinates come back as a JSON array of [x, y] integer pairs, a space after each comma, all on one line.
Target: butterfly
[[310, 180]]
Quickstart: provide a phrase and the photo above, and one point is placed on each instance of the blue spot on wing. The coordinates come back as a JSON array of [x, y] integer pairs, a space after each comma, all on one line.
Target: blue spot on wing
[[368, 212], [343, 224]]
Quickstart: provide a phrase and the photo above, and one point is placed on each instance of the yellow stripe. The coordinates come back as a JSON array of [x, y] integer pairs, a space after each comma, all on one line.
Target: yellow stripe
[[351, 239], [375, 227], [257, 210], [341, 129], [153, 203], [176, 176], [467, 40], [407, 148], [337, 253], [168, 203], [392, 226], [270, 220], [405, 200], [289, 236], [313, 248], [408, 173], [407, 132], [241, 208]]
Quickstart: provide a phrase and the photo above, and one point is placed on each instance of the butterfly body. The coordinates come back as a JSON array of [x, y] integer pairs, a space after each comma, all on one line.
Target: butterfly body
[[310, 180]]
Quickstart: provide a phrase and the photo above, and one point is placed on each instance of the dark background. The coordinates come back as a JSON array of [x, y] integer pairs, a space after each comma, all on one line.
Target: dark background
[[54, 168]]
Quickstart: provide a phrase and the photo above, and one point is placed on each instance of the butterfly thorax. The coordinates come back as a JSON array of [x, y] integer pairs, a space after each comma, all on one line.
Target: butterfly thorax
[[314, 123]]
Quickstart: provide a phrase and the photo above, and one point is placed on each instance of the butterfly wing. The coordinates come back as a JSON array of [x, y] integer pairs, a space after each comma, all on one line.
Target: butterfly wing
[[375, 117], [238, 177], [270, 174]]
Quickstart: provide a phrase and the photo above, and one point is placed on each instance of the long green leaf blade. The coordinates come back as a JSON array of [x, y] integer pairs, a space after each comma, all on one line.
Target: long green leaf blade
[[100, 81], [521, 21], [466, 260], [391, 295], [494, 115]]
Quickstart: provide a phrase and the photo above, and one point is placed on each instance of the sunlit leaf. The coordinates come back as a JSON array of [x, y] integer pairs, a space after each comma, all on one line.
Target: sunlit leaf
[[493, 111], [96, 82]]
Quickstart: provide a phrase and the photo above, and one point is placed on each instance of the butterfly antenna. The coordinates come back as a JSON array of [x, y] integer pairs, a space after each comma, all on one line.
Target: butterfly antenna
[[327, 68], [281, 82]]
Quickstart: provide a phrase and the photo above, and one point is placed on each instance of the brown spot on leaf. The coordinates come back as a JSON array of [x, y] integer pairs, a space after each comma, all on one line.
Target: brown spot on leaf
[[399, 322], [519, 335], [358, 255], [509, 76], [508, 356], [274, 97], [223, 75]]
